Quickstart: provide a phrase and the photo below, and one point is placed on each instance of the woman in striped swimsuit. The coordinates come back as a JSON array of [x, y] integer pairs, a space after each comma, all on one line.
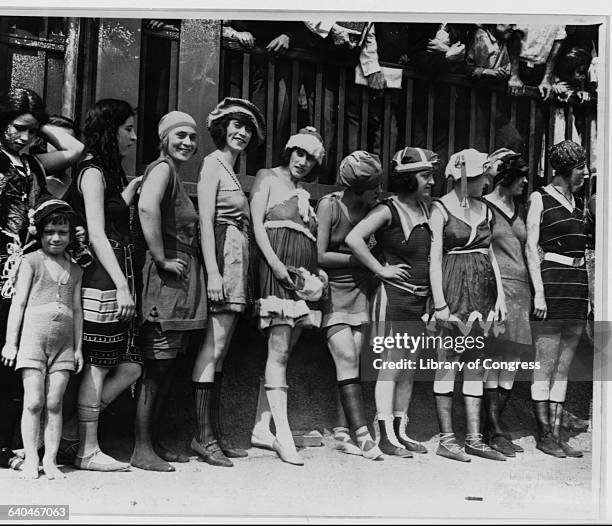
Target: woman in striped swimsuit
[[555, 224], [400, 225]]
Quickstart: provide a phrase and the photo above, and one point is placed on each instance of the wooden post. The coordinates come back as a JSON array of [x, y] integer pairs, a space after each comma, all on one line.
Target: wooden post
[[71, 62]]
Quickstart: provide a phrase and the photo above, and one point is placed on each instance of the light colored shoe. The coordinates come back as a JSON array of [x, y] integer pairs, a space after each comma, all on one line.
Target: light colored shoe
[[287, 456], [449, 448], [98, 461], [261, 443]]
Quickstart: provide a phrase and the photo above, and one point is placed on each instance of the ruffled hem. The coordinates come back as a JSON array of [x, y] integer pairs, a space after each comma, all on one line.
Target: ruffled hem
[[278, 311], [486, 324]]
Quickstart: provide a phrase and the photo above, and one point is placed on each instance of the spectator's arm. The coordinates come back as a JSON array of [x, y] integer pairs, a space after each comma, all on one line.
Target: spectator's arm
[[368, 58], [515, 45], [321, 28], [545, 86]]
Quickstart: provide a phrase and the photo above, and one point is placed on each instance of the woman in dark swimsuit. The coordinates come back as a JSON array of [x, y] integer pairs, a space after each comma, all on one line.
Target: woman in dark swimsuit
[[400, 224]]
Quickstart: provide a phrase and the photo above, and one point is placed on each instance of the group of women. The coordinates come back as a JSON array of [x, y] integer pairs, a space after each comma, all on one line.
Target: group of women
[[463, 263]]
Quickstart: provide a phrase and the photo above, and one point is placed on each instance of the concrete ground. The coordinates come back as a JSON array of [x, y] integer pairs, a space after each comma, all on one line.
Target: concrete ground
[[332, 485]]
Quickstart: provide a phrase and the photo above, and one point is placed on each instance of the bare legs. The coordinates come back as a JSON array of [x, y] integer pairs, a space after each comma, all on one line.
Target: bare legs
[[42, 393]]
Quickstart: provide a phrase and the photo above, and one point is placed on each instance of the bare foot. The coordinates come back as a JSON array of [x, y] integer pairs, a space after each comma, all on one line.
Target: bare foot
[[29, 470], [52, 471]]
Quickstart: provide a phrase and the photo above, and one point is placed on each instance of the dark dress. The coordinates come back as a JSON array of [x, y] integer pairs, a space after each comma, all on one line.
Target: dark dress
[[20, 188], [293, 240], [106, 340], [468, 279], [347, 300], [566, 288], [402, 305]]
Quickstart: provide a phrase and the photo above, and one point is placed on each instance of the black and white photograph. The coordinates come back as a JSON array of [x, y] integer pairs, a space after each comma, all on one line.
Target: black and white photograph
[[303, 266]]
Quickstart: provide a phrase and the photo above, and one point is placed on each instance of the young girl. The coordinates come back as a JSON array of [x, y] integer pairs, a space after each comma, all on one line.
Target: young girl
[[44, 332]]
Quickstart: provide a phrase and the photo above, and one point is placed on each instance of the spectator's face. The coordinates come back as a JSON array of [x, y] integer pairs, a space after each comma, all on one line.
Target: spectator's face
[[55, 238], [502, 31], [301, 163], [126, 136], [238, 135], [20, 133], [182, 142], [580, 74], [475, 185], [425, 182]]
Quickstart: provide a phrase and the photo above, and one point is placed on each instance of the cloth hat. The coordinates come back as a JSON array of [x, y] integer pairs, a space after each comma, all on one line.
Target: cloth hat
[[500, 155], [414, 160], [231, 105], [509, 165], [566, 155], [172, 120], [309, 140], [463, 165], [360, 170], [43, 209], [473, 160]]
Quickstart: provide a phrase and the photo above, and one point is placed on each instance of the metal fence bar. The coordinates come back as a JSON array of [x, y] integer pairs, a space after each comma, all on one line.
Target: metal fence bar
[[246, 77], [569, 123], [550, 137]]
